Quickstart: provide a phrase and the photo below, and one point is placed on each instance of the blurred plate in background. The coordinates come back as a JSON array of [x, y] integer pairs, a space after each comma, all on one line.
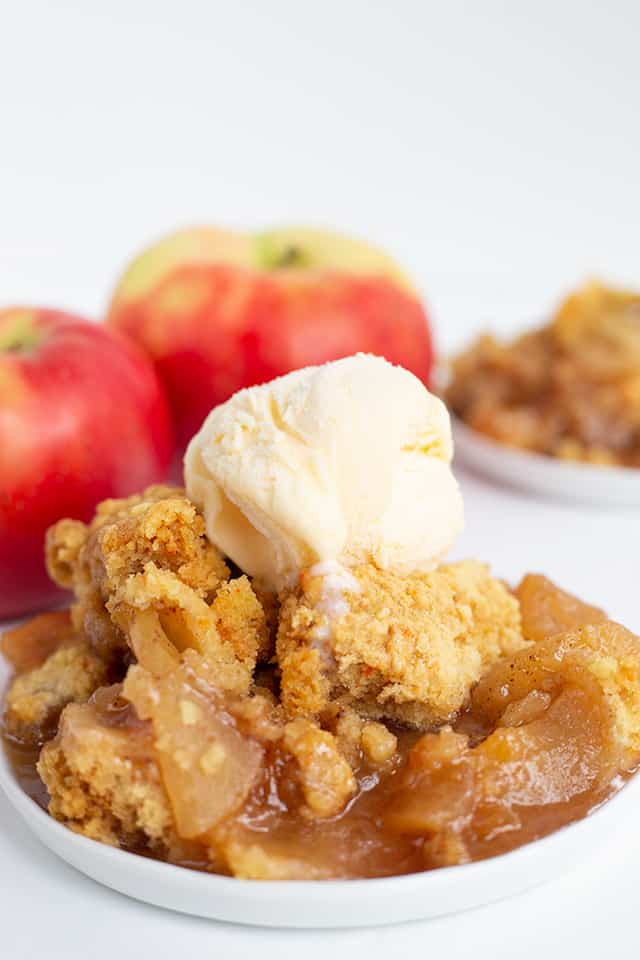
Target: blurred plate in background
[[545, 476]]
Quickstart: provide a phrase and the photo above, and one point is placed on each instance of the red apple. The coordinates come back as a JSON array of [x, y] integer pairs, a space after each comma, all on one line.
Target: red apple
[[82, 417], [218, 311]]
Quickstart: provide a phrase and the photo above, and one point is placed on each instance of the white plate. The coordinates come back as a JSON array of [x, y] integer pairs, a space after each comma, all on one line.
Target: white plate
[[329, 903], [548, 476]]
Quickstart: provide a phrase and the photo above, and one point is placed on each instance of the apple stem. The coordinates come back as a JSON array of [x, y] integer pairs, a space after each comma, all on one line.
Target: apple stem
[[291, 256], [277, 257], [20, 334]]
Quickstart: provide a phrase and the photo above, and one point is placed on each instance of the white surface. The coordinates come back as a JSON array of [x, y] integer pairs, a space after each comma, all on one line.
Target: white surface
[[546, 476], [493, 146], [321, 904]]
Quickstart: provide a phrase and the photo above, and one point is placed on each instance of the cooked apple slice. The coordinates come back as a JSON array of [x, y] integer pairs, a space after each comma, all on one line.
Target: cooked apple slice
[[208, 767], [437, 786], [28, 645], [565, 716], [548, 610], [602, 659]]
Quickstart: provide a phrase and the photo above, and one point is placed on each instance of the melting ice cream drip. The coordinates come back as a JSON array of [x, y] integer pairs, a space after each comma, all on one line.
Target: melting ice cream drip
[[337, 581]]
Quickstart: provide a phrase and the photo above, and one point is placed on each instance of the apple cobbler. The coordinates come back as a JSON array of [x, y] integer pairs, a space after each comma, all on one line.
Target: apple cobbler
[[182, 710], [570, 389]]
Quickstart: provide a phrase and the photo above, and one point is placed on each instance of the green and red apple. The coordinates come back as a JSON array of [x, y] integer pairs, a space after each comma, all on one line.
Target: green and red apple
[[83, 417], [220, 310]]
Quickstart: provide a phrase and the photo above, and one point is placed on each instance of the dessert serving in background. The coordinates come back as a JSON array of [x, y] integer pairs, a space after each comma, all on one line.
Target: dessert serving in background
[[570, 389], [273, 675]]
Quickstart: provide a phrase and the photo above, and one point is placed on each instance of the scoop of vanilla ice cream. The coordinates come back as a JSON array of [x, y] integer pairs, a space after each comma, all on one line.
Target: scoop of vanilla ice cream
[[340, 464]]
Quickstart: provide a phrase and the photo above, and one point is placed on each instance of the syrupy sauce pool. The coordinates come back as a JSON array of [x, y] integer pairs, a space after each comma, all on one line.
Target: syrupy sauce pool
[[376, 834], [23, 759], [355, 843]]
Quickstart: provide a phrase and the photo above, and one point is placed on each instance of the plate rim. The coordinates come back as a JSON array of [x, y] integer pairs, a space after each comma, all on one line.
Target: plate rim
[[550, 478], [543, 460]]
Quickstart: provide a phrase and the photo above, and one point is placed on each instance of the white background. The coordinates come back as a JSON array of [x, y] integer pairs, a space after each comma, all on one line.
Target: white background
[[493, 147]]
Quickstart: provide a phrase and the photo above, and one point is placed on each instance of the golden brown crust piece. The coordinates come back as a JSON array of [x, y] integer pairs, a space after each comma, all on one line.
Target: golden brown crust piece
[[219, 632], [241, 621], [327, 779], [160, 526], [146, 577], [408, 649], [35, 699], [271, 607], [104, 781]]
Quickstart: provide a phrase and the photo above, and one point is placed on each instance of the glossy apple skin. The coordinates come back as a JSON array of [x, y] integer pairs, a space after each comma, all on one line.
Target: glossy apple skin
[[213, 328], [82, 417]]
